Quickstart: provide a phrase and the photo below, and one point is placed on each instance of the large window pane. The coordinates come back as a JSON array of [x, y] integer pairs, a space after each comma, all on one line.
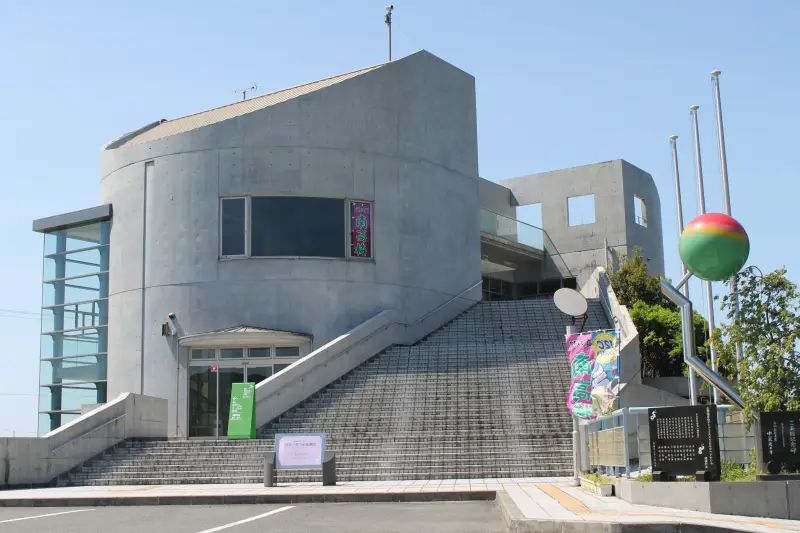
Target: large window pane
[[233, 226], [287, 351], [300, 227], [48, 422], [258, 352], [72, 264], [231, 353], [78, 369], [74, 316], [204, 353], [71, 397], [75, 290], [81, 342], [76, 238]]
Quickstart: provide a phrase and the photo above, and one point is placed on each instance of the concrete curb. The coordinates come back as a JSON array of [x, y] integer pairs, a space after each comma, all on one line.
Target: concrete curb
[[517, 523], [355, 497]]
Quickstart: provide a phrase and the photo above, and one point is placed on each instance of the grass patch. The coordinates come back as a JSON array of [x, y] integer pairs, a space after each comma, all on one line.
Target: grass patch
[[735, 472], [597, 478], [731, 472]]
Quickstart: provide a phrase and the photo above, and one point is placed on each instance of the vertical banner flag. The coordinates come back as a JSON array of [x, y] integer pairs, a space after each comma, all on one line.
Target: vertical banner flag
[[581, 358], [605, 373], [360, 229], [242, 420], [594, 373]]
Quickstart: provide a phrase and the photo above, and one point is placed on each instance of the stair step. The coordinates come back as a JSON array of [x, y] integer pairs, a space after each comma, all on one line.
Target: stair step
[[481, 397]]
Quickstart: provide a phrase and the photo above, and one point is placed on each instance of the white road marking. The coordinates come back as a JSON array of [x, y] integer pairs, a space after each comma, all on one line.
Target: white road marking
[[226, 526], [44, 515]]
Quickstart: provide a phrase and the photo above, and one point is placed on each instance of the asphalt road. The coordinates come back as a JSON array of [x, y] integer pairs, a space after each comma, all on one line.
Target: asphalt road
[[433, 517]]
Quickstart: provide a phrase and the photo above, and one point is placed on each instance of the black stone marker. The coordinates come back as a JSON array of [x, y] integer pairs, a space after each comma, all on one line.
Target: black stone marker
[[779, 440], [684, 441]]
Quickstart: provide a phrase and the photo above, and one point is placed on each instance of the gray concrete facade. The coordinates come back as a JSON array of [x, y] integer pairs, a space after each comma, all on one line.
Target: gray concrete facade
[[402, 136], [614, 184]]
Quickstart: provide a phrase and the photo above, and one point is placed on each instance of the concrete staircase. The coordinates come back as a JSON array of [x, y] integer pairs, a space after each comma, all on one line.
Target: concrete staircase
[[482, 397]]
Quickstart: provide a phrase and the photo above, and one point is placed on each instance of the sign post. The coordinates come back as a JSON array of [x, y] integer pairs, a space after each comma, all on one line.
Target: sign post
[[242, 419], [779, 440], [684, 441]]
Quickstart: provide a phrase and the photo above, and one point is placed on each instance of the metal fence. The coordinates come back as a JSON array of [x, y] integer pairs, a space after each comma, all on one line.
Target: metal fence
[[620, 442]]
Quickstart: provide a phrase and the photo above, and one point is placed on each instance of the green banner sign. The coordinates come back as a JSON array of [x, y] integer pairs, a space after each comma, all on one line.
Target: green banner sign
[[242, 420]]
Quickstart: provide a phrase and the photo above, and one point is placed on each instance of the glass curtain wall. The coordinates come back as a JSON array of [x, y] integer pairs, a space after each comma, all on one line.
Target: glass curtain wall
[[74, 339]]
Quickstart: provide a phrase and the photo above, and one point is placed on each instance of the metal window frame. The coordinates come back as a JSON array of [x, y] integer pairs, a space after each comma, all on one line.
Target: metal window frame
[[246, 235]]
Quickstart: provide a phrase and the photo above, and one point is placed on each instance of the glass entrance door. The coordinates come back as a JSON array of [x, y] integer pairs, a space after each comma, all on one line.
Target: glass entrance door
[[202, 401], [227, 377], [210, 396]]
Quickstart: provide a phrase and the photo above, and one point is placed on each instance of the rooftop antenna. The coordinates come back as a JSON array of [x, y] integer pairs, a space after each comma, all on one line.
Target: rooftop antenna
[[388, 21], [253, 88]]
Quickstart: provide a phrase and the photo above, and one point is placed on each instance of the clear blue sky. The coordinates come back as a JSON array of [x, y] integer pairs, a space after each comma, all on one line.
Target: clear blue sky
[[559, 84]]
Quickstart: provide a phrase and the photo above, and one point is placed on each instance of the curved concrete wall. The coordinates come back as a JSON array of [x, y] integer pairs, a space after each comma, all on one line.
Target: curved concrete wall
[[403, 136]]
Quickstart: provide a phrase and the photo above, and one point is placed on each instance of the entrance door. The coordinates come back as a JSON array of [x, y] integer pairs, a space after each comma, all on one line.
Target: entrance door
[[210, 395], [227, 377], [202, 401]]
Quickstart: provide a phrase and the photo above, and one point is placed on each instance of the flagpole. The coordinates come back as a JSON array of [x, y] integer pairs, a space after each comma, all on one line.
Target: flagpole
[[673, 141], [702, 203], [726, 197]]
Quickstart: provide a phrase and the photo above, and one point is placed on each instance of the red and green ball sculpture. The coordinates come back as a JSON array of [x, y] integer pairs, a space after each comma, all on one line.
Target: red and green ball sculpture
[[714, 246]]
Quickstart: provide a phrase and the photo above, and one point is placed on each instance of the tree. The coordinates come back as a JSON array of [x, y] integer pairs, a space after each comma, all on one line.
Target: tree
[[768, 326], [656, 318], [632, 283], [661, 339]]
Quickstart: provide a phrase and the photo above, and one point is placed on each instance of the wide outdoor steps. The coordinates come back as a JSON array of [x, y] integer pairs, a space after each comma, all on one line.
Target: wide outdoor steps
[[482, 397]]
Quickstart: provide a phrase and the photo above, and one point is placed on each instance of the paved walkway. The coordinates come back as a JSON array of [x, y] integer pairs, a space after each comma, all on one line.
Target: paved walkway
[[562, 502], [544, 499]]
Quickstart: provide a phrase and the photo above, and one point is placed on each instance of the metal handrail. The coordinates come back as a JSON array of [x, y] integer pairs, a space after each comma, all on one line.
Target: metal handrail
[[387, 326], [545, 237], [104, 424]]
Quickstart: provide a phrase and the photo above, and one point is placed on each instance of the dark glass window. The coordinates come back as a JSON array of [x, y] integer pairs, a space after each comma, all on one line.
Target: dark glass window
[[301, 227], [233, 226]]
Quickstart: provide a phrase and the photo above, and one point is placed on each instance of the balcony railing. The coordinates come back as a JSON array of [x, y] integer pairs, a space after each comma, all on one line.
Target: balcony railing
[[519, 232]]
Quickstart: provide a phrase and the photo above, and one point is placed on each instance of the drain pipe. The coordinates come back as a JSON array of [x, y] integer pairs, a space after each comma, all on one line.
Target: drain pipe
[[691, 359]]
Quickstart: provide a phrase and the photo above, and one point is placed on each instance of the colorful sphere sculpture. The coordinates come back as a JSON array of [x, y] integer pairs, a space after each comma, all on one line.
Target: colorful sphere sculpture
[[714, 246]]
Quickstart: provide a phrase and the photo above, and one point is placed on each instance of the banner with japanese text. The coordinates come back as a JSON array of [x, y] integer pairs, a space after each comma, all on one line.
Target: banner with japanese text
[[361, 229], [605, 372], [242, 419], [581, 359], [594, 373]]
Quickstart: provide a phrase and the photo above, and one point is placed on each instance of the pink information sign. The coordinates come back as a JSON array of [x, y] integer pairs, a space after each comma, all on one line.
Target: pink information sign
[[581, 362]]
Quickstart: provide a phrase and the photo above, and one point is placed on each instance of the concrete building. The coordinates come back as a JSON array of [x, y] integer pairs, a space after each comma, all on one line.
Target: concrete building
[[233, 242]]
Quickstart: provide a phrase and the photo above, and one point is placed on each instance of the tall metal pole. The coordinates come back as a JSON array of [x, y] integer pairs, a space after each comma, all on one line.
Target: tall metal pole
[[673, 141], [388, 21], [701, 194], [726, 196]]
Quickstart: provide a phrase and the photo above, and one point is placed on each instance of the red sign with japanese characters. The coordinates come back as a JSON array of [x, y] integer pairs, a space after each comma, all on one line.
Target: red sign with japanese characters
[[360, 229]]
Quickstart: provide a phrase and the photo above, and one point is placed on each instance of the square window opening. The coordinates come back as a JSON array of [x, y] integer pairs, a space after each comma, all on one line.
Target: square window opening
[[580, 210], [530, 214]]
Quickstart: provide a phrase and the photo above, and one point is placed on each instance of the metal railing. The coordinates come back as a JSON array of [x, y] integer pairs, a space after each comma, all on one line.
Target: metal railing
[[378, 330], [516, 231]]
